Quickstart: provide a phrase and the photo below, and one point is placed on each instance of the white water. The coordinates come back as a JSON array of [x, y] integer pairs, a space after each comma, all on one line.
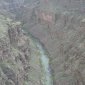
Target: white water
[[46, 77]]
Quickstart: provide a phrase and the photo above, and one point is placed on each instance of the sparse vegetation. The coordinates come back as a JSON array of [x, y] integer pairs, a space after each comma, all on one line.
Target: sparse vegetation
[[57, 25]]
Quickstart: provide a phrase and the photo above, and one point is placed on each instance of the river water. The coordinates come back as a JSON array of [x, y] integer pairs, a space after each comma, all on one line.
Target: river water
[[46, 70], [46, 78]]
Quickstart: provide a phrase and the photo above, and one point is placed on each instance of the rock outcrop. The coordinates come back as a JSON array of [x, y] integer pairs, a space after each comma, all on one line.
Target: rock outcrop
[[19, 56], [13, 62]]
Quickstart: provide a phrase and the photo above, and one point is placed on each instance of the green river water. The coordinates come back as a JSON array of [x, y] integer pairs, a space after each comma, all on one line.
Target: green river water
[[46, 78]]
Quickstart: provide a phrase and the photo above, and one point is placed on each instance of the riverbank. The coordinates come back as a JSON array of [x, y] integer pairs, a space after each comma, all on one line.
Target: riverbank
[[46, 76]]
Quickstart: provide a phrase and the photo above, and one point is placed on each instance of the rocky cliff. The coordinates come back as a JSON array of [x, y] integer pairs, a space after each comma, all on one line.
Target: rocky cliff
[[60, 26], [64, 39], [13, 59], [19, 56]]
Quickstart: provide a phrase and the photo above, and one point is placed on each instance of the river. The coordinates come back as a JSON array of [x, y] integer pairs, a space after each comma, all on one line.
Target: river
[[46, 78]]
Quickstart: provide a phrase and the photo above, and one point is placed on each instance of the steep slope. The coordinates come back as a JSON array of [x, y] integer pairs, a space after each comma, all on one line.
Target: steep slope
[[61, 28], [13, 59], [20, 57], [65, 41]]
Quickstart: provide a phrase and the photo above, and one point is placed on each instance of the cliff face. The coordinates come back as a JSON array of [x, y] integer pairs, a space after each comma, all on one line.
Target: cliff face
[[65, 41], [13, 61], [60, 30], [19, 56]]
